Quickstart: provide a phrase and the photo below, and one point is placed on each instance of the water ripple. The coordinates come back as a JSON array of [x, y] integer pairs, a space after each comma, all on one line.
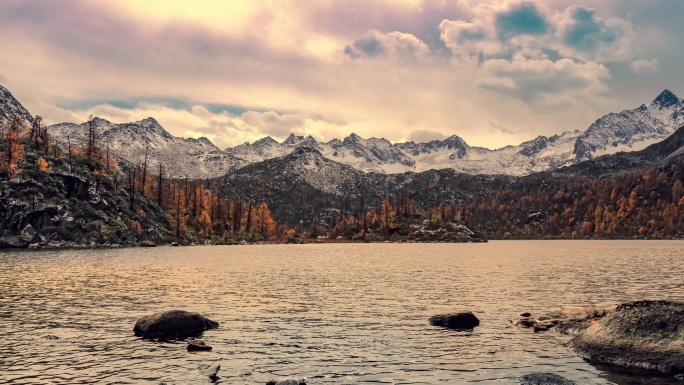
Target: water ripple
[[331, 314]]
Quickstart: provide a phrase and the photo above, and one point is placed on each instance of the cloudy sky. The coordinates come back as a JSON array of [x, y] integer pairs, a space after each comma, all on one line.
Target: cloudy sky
[[493, 72]]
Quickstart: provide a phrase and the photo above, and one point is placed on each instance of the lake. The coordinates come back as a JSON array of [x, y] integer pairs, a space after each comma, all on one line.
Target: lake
[[327, 313]]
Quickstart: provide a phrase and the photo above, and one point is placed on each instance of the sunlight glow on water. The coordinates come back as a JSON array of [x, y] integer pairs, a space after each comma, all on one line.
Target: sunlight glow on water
[[333, 314]]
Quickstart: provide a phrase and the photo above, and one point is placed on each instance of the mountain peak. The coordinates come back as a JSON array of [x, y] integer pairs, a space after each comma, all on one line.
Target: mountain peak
[[292, 139], [150, 121], [666, 99], [266, 140]]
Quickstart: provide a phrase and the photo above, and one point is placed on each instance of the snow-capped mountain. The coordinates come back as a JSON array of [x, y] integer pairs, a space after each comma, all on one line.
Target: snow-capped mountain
[[632, 130], [309, 165], [380, 155], [10, 107], [180, 157], [629, 130]]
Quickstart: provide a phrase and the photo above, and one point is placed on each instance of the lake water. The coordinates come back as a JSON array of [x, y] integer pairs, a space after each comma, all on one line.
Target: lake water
[[327, 313]]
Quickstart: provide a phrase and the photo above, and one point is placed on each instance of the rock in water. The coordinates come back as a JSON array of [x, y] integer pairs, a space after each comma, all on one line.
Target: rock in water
[[173, 324], [461, 320], [544, 379], [195, 345], [209, 370], [641, 334]]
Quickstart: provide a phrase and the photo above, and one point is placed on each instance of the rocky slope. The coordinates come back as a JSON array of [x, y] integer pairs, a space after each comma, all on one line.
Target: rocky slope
[[180, 157], [10, 107]]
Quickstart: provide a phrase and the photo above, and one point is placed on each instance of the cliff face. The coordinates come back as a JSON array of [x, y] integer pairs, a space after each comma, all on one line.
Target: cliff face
[[63, 209]]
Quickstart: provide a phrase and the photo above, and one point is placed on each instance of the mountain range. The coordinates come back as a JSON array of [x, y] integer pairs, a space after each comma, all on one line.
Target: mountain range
[[629, 130]]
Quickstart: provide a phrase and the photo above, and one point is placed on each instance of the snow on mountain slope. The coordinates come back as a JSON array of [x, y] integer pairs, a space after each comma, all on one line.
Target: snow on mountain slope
[[629, 130], [10, 107], [180, 157], [309, 165], [632, 130], [380, 155]]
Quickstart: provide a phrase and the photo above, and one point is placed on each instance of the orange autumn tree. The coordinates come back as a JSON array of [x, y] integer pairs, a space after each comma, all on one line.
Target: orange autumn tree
[[264, 223], [43, 165], [12, 148]]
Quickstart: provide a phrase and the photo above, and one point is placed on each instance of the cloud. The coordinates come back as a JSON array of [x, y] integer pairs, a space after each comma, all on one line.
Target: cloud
[[643, 66], [544, 83], [273, 123], [521, 19], [583, 34], [498, 128], [422, 136], [394, 44]]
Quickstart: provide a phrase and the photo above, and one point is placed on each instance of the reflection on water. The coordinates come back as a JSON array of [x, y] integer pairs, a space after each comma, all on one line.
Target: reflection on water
[[331, 314]]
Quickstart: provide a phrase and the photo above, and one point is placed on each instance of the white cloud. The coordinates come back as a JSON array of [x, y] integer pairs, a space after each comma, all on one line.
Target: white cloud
[[643, 66]]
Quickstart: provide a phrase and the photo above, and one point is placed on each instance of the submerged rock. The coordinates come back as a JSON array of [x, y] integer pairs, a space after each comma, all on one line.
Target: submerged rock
[[286, 382], [50, 337], [209, 370], [195, 345], [461, 320], [641, 334], [544, 379], [173, 324]]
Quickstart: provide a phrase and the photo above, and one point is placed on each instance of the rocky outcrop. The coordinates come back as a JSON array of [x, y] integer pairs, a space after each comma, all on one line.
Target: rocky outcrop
[[445, 232], [641, 334], [173, 324], [460, 320], [566, 321], [544, 379]]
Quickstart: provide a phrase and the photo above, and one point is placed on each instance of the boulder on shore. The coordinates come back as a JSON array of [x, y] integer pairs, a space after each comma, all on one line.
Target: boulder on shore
[[460, 320], [641, 334], [173, 324]]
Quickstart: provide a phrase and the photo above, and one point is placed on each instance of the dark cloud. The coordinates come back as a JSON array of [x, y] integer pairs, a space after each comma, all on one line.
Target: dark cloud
[[368, 47], [523, 19], [587, 31]]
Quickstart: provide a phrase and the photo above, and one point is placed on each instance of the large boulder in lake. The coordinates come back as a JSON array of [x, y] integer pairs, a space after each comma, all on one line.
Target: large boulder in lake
[[641, 334], [173, 324], [460, 320]]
